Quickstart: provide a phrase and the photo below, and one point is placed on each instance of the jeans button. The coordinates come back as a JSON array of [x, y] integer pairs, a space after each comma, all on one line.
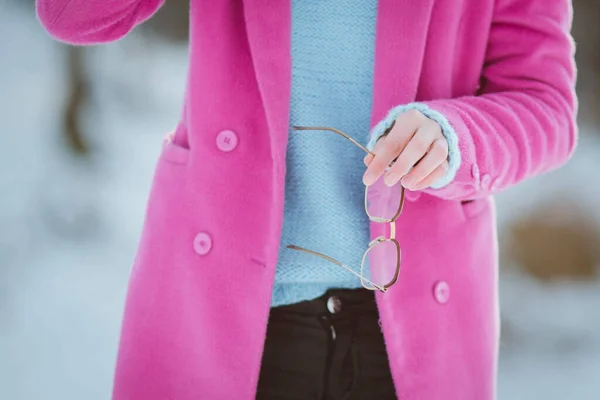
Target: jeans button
[[334, 304]]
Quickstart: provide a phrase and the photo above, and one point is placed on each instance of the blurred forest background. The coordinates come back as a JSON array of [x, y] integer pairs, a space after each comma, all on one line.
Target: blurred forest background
[[81, 130]]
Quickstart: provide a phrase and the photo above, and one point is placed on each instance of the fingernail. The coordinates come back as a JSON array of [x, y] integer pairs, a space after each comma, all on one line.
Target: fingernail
[[392, 179], [368, 159], [407, 183]]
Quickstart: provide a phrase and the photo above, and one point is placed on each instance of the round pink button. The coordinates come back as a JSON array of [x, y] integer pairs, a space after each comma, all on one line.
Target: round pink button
[[441, 292], [486, 182], [227, 140], [202, 243]]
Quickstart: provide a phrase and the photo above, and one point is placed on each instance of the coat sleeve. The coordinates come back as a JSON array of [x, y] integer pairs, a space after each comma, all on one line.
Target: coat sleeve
[[85, 22], [523, 122]]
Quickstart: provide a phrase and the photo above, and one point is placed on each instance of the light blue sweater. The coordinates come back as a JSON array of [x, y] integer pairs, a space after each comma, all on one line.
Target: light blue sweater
[[332, 72], [333, 46]]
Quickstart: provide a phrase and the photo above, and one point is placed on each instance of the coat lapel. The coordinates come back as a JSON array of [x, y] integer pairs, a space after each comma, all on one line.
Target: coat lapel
[[268, 26], [401, 38]]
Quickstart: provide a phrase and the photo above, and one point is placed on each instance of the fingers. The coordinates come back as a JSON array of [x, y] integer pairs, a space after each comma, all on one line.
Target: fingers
[[432, 178], [388, 147], [414, 152], [418, 147], [369, 157], [435, 156]]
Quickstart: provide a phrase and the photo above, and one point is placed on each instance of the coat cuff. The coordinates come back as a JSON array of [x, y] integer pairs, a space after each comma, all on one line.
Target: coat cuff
[[447, 130]]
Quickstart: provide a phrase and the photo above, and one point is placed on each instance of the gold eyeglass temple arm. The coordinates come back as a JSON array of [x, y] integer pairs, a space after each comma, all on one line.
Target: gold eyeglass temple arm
[[333, 260], [325, 128]]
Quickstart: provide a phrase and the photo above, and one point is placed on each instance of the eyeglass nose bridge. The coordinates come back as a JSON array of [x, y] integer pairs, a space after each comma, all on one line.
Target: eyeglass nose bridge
[[392, 232]]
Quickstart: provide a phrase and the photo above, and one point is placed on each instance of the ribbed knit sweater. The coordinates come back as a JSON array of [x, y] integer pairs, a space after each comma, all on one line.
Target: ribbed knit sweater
[[332, 73]]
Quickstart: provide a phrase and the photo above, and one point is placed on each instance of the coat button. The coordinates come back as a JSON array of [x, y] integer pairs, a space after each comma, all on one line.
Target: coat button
[[441, 292], [486, 182], [202, 243], [227, 140], [334, 304]]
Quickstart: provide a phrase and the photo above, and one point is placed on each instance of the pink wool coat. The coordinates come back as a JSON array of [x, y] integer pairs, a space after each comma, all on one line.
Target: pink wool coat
[[500, 71]]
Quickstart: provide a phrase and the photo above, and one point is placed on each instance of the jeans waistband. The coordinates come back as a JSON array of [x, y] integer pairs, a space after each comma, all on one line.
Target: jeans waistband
[[343, 302]]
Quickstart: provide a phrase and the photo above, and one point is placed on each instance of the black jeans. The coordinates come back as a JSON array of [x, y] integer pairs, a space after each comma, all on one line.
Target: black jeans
[[330, 348]]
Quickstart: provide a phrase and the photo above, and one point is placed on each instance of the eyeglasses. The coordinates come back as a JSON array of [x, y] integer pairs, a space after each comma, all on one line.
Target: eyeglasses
[[381, 261]]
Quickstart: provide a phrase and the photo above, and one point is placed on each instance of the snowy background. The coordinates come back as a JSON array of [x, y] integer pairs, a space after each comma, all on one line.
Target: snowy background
[[69, 226]]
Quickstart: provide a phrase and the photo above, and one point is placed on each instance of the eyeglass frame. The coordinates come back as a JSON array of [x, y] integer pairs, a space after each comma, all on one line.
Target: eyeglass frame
[[374, 242]]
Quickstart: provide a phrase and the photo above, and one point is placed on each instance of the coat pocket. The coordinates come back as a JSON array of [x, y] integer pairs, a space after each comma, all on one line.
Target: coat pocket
[[174, 153], [473, 208]]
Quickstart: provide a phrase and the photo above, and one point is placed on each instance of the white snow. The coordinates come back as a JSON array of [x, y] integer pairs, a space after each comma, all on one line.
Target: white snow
[[69, 228]]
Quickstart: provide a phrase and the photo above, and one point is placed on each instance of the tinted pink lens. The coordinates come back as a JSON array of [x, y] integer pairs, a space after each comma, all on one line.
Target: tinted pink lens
[[383, 202], [381, 264]]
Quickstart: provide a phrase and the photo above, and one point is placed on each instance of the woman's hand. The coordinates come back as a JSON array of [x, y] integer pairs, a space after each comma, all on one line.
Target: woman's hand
[[419, 148]]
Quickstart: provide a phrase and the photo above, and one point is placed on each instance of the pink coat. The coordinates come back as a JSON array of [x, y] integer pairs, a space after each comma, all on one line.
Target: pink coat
[[500, 71]]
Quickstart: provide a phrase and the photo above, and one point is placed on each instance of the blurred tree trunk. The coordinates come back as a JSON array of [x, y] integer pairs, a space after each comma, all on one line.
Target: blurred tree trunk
[[586, 32], [78, 92], [171, 22]]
